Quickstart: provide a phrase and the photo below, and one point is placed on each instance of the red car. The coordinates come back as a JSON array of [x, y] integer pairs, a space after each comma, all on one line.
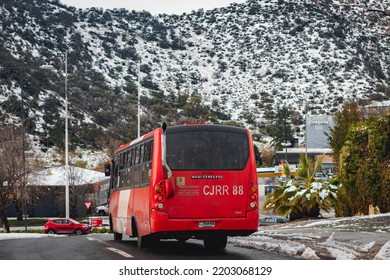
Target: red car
[[63, 225]]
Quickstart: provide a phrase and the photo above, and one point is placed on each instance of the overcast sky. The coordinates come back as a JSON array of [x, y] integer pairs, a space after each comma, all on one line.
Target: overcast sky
[[153, 6]]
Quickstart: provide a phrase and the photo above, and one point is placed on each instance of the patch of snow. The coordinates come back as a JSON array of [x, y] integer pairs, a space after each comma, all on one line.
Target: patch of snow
[[7, 236], [384, 252], [55, 176], [287, 247], [339, 254], [309, 254]]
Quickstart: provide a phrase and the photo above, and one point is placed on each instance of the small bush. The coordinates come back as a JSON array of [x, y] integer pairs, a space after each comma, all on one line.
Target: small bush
[[101, 230]]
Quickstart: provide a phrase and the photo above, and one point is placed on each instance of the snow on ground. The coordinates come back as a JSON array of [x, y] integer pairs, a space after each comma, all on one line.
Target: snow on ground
[[384, 252], [334, 238], [350, 238], [6, 236]]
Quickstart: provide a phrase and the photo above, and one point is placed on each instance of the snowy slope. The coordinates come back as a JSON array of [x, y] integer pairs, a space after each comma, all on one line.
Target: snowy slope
[[245, 59]]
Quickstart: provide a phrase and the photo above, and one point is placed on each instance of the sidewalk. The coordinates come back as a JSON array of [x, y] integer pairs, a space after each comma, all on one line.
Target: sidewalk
[[359, 237]]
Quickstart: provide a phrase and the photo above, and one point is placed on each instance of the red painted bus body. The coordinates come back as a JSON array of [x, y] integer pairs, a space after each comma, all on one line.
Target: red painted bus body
[[189, 181]]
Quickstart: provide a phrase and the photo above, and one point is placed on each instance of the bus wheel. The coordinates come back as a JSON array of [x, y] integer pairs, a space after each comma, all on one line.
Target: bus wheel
[[117, 236], [147, 241], [215, 243], [143, 241]]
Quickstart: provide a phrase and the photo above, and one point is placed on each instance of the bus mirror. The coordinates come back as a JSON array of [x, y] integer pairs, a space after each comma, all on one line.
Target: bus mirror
[[170, 187], [107, 169]]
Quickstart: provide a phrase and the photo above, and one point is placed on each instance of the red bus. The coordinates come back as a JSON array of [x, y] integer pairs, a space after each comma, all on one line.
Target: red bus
[[188, 181]]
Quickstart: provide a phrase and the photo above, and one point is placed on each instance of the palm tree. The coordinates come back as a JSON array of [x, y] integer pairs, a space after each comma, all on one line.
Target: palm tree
[[304, 195]]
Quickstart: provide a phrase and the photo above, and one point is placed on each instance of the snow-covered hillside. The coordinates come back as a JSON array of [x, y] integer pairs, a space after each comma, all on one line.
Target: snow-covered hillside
[[245, 60]]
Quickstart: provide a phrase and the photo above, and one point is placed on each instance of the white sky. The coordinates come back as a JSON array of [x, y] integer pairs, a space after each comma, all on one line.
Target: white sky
[[153, 6]]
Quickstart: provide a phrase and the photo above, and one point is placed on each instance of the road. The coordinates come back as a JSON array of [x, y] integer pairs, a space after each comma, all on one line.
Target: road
[[103, 247]]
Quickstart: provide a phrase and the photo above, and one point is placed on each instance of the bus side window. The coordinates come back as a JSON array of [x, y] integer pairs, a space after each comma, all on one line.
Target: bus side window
[[115, 166], [148, 151], [116, 171], [113, 175], [136, 155], [151, 150], [141, 154], [122, 161], [129, 158], [147, 163]]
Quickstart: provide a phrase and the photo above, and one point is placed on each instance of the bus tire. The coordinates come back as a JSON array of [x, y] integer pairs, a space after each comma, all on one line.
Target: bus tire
[[215, 243], [143, 241], [117, 236]]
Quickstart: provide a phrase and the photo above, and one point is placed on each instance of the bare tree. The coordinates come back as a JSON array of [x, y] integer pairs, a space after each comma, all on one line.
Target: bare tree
[[12, 175], [268, 156], [109, 144], [14, 171]]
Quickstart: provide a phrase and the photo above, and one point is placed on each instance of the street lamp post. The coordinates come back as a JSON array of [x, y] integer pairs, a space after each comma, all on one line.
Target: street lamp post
[[138, 95], [286, 144], [66, 140], [50, 67], [139, 103]]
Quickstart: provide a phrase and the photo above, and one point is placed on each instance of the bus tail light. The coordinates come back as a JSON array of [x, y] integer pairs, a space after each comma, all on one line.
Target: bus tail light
[[160, 205], [159, 195], [253, 189], [159, 189], [253, 197]]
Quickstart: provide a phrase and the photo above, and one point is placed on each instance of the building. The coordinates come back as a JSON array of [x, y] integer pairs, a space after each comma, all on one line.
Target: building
[[316, 129], [293, 155], [45, 192]]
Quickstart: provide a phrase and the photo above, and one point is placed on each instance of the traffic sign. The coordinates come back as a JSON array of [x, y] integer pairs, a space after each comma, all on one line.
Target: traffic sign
[[88, 205]]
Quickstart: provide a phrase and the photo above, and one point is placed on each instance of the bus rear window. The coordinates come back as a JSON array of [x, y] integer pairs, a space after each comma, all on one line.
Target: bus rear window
[[207, 150]]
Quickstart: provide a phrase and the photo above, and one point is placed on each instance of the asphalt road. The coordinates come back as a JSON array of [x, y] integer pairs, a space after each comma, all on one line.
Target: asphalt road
[[103, 247]]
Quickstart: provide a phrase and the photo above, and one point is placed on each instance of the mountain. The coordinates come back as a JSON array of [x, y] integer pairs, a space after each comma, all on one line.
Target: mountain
[[238, 63]]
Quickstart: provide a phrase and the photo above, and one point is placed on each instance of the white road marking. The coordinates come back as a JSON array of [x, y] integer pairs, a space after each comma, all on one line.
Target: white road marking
[[96, 239], [120, 252]]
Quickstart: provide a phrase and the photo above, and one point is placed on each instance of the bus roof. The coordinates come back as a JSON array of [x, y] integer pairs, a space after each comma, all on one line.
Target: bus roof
[[189, 127]]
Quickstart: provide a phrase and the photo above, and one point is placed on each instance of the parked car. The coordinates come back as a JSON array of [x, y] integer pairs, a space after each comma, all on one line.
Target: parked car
[[269, 221], [102, 210], [320, 176], [64, 225]]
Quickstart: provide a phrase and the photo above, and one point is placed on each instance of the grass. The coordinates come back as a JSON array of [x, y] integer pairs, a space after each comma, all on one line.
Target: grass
[[28, 222], [39, 222], [101, 230], [28, 231]]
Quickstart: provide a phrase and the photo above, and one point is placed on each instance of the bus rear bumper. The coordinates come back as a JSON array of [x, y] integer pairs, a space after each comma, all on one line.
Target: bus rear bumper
[[162, 225]]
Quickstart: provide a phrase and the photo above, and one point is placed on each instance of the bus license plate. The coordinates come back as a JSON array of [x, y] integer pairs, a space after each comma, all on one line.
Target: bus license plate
[[206, 224]]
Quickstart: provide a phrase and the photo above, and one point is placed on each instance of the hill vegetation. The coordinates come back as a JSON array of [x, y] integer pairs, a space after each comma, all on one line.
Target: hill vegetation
[[238, 63]]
